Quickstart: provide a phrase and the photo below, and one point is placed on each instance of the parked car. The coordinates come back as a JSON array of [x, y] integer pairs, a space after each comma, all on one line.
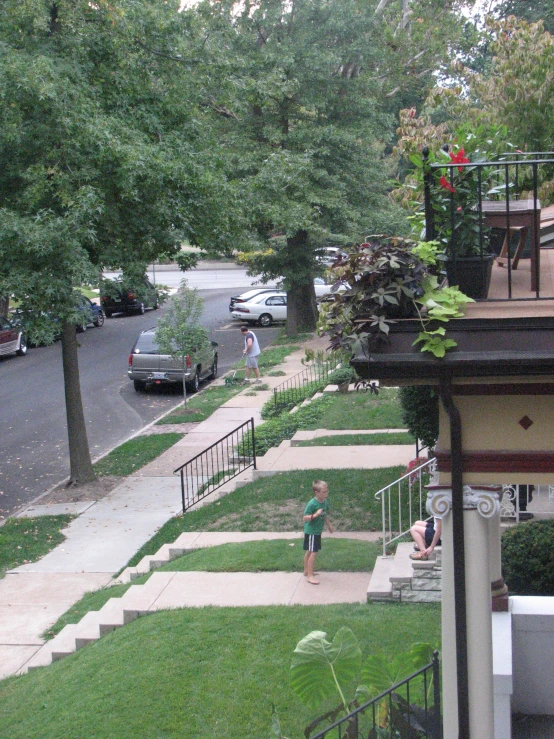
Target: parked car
[[328, 255], [12, 338], [249, 295], [91, 313], [119, 297], [148, 366], [263, 309]]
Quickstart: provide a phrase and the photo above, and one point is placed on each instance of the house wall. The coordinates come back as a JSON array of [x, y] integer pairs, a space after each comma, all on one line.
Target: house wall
[[532, 654], [491, 424]]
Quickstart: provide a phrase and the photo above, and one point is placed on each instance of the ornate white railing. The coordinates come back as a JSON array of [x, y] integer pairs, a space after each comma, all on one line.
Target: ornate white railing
[[517, 498]]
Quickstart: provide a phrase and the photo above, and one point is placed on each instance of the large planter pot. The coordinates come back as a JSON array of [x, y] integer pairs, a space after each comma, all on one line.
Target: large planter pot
[[343, 387], [472, 275]]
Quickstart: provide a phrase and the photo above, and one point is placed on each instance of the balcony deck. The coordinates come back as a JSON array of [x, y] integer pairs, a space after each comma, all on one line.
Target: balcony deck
[[523, 302]]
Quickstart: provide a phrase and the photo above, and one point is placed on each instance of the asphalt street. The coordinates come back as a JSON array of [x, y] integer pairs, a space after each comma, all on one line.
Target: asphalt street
[[34, 454]]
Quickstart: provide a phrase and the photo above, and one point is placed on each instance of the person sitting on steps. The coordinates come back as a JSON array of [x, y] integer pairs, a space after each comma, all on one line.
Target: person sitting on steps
[[426, 535]]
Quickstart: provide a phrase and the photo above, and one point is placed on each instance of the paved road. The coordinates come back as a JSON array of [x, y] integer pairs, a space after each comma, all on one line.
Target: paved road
[[34, 432]]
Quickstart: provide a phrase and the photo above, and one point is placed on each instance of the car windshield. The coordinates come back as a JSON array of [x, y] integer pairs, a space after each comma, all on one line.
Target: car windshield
[[146, 344]]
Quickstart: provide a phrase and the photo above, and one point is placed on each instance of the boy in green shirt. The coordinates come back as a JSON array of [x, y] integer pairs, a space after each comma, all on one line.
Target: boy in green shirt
[[315, 515]]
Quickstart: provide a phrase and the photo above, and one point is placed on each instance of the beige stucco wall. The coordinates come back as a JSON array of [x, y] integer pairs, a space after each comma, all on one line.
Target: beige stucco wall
[[490, 423]]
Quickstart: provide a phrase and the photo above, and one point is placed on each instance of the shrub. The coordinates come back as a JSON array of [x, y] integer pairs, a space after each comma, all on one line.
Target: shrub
[[340, 376], [528, 558], [274, 431], [420, 412], [285, 400]]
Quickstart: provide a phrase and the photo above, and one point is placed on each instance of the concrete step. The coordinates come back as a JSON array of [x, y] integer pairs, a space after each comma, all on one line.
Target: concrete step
[[88, 631], [64, 643], [380, 586], [401, 568]]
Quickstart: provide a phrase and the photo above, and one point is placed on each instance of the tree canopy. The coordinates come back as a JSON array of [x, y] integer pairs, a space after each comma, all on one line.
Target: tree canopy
[[105, 157], [305, 117]]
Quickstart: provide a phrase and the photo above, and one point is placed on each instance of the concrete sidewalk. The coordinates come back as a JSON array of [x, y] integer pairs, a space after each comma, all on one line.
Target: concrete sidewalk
[[106, 533]]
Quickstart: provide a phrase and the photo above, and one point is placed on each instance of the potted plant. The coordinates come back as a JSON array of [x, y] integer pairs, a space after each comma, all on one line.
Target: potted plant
[[453, 219], [391, 278], [342, 377]]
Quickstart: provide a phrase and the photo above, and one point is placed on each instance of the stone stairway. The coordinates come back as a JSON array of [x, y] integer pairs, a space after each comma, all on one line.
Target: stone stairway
[[402, 580]]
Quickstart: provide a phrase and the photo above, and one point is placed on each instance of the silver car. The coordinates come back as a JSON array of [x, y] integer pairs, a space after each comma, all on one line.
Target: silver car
[[148, 366]]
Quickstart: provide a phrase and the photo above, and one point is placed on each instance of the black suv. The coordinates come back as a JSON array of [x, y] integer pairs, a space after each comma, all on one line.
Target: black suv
[[120, 297]]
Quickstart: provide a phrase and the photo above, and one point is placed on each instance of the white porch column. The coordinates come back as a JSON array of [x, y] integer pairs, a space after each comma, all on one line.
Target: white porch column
[[499, 591], [480, 504]]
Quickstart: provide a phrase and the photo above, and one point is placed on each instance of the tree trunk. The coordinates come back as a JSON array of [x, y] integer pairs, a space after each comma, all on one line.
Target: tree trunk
[[81, 469], [301, 303], [4, 305]]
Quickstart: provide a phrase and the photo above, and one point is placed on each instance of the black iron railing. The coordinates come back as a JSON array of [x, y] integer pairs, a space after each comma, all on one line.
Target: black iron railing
[[491, 207], [304, 384], [217, 464], [392, 714]]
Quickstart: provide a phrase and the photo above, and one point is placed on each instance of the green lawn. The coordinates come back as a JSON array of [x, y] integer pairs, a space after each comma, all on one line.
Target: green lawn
[[352, 411], [132, 455], [197, 673], [24, 540], [360, 439], [276, 503], [337, 555]]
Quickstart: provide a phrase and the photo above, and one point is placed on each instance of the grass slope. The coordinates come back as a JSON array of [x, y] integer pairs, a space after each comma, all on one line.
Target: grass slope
[[276, 503], [401, 437], [353, 411], [198, 673]]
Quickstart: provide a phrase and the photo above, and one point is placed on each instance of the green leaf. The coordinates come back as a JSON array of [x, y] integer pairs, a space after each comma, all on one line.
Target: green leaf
[[380, 673], [320, 668], [275, 723], [421, 654]]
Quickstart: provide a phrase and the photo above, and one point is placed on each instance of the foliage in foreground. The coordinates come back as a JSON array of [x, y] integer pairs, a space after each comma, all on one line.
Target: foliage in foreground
[[152, 677], [24, 540], [528, 559], [323, 670]]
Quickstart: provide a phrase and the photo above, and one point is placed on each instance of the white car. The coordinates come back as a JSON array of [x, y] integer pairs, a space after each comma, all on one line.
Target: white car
[[327, 255], [263, 309]]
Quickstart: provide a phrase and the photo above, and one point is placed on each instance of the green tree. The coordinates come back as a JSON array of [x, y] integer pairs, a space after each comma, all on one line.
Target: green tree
[[104, 156], [304, 120], [179, 332], [531, 11]]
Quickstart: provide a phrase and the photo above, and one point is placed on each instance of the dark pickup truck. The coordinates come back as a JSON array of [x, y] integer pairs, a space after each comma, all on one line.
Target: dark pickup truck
[[119, 297]]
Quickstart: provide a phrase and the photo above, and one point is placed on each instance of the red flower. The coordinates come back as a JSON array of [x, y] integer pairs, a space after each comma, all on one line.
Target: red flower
[[459, 158], [443, 182]]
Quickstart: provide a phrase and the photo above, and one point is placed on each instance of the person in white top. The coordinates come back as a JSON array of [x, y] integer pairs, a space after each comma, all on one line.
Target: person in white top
[[251, 351]]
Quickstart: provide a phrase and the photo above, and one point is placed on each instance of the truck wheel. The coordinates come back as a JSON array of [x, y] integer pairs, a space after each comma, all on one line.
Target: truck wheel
[[194, 384]]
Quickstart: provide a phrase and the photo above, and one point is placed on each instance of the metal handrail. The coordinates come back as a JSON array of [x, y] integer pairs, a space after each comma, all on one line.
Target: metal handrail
[[432, 713], [217, 464], [414, 481], [290, 390], [509, 190]]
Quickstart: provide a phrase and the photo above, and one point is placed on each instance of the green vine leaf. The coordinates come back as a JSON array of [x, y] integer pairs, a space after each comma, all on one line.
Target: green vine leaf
[[321, 668]]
